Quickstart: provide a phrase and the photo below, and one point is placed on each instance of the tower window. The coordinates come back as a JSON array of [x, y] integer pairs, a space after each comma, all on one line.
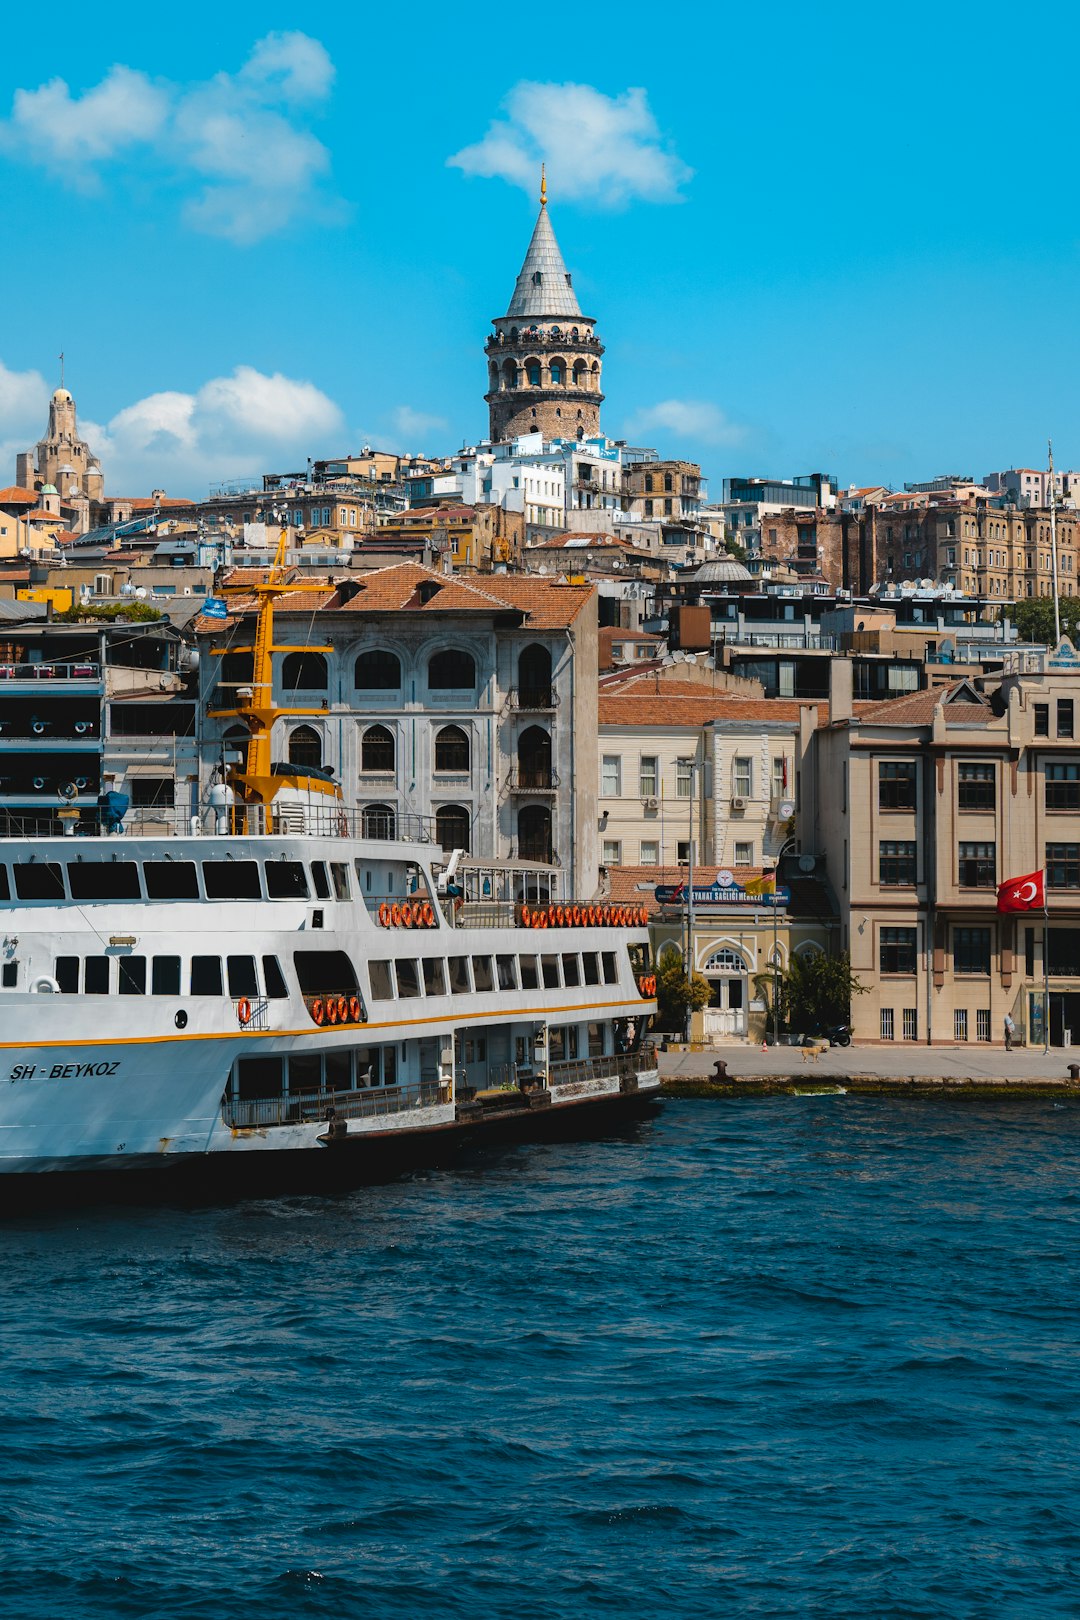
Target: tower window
[[533, 373]]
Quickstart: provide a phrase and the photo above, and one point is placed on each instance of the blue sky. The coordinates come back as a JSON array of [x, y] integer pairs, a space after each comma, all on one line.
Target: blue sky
[[813, 238]]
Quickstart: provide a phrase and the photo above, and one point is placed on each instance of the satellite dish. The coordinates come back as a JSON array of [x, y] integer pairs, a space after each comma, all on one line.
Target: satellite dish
[[807, 863], [679, 656]]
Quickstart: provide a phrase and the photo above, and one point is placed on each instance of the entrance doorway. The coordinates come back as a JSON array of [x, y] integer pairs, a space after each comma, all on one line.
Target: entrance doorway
[[1065, 1018], [725, 1016]]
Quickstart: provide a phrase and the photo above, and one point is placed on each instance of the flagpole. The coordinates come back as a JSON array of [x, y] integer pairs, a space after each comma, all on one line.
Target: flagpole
[[1053, 546], [1046, 973]]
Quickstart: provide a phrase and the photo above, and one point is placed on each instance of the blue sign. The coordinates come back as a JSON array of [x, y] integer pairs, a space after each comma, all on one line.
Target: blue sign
[[717, 894], [215, 608]]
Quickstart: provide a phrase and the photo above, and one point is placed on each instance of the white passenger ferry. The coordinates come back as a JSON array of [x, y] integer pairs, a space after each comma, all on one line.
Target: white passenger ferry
[[284, 987]]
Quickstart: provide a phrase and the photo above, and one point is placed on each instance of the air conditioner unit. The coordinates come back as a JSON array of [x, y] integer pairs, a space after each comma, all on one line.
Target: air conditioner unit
[[738, 802], [651, 802]]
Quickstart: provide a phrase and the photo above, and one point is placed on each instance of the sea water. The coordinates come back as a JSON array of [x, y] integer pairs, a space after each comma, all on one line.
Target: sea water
[[799, 1356]]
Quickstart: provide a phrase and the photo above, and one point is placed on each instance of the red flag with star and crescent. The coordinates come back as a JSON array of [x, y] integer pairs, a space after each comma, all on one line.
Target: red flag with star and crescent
[[1023, 893]]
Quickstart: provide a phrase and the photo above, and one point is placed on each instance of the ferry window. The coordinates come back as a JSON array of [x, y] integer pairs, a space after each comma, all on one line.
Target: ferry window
[[5, 892], [274, 979], [325, 973], [591, 967], [259, 1077], [322, 882], [232, 880], [389, 1065], [408, 979], [611, 967], [481, 967], [206, 976], [165, 978], [96, 976], [39, 880], [9, 975], [459, 975], [286, 880], [596, 1040], [556, 1045], [67, 974], [434, 977], [382, 986], [550, 968], [132, 975], [571, 970], [171, 880], [340, 874], [104, 880], [305, 1071], [504, 966], [242, 980], [339, 1070], [530, 974], [367, 1066]]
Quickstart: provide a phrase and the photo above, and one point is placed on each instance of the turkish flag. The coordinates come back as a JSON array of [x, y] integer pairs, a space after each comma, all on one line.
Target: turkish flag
[[1023, 893]]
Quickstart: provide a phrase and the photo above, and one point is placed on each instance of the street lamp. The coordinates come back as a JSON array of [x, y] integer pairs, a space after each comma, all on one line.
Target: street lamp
[[777, 858]]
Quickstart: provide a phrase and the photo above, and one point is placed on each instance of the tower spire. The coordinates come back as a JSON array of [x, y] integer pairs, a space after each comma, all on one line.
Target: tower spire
[[543, 186]]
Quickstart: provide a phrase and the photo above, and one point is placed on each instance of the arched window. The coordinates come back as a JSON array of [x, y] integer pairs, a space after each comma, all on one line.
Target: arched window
[[235, 742], [305, 747], [452, 671], [377, 671], [580, 369], [534, 677], [534, 833], [534, 758], [379, 821], [555, 332], [725, 961], [377, 749], [451, 749], [304, 671], [558, 372], [510, 374], [452, 827], [532, 373]]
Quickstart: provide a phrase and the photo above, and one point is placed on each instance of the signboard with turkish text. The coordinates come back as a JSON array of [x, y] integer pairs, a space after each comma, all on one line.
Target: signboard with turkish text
[[721, 894]]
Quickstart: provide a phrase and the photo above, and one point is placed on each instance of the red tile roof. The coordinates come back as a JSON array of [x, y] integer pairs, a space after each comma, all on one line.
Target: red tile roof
[[14, 495], [691, 709], [917, 708]]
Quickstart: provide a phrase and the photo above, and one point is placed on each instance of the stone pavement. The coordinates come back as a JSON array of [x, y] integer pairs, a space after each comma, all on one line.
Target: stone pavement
[[902, 1061]]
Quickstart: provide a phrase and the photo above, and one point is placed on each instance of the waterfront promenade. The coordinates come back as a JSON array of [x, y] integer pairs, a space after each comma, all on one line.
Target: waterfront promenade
[[975, 1064]]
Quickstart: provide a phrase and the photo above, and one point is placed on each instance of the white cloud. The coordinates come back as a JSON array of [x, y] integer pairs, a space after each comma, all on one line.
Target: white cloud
[[415, 426], [695, 419], [236, 135], [24, 399], [601, 149], [232, 427]]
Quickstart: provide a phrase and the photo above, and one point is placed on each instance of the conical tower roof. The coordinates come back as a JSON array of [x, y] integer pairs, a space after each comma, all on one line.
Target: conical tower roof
[[543, 288]]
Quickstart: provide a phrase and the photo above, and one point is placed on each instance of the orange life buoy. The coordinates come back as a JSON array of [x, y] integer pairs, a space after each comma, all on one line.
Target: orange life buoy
[[343, 1009], [652, 984], [408, 913], [550, 914], [243, 1010], [331, 1009], [560, 916], [536, 919], [384, 915], [526, 917], [356, 1012], [428, 914], [318, 1010], [577, 916], [544, 920], [395, 916]]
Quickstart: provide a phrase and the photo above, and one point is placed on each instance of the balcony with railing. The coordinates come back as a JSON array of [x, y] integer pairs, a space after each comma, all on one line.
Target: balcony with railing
[[538, 779], [313, 1106], [533, 699]]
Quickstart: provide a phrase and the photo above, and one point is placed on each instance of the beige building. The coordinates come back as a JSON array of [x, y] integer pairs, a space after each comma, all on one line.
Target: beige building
[[921, 806], [64, 464], [664, 489]]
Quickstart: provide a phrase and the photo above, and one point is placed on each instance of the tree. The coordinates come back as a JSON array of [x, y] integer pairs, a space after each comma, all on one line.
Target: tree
[[675, 997], [1034, 618], [817, 991]]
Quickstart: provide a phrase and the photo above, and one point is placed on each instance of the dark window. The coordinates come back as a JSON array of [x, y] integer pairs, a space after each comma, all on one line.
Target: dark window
[[305, 747], [507, 975], [286, 880], [303, 671], [977, 866], [39, 880], [896, 785], [5, 892], [611, 967], [377, 672], [206, 976], [451, 749], [96, 976], [377, 749], [242, 977], [549, 967], [1029, 952], [320, 879], [591, 967], [452, 671], [232, 880], [1063, 866], [339, 874], [1064, 717], [434, 976], [530, 978], [325, 973], [67, 974], [150, 792], [408, 979], [571, 970], [132, 975], [165, 977], [9, 975], [171, 880], [274, 979], [971, 950], [1063, 955], [896, 863], [382, 988], [459, 975], [104, 880], [1063, 787], [1042, 719], [975, 787], [452, 827], [258, 1077], [481, 968], [379, 821], [897, 950]]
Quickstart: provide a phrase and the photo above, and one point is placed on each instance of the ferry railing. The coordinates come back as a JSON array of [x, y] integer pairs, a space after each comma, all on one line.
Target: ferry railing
[[80, 669], [259, 1112], [166, 821], [616, 1066]]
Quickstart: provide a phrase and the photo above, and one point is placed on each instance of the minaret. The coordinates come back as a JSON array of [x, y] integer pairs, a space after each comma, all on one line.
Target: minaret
[[544, 356]]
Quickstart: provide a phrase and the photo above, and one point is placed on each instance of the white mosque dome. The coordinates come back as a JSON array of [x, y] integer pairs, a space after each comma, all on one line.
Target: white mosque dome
[[61, 397]]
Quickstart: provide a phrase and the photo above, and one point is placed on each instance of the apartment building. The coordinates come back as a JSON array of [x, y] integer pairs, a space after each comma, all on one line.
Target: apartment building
[[921, 806]]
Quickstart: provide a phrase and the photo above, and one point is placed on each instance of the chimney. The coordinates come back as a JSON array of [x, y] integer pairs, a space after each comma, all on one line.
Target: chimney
[[840, 689]]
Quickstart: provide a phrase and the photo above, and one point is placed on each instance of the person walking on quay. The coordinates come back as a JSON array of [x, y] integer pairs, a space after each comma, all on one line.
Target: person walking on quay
[[1010, 1033]]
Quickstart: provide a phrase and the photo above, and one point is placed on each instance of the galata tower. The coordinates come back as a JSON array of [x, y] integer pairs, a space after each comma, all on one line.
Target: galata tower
[[544, 355]]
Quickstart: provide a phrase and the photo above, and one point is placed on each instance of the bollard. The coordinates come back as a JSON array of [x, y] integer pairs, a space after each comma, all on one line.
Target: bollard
[[1074, 1071], [720, 1069]]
